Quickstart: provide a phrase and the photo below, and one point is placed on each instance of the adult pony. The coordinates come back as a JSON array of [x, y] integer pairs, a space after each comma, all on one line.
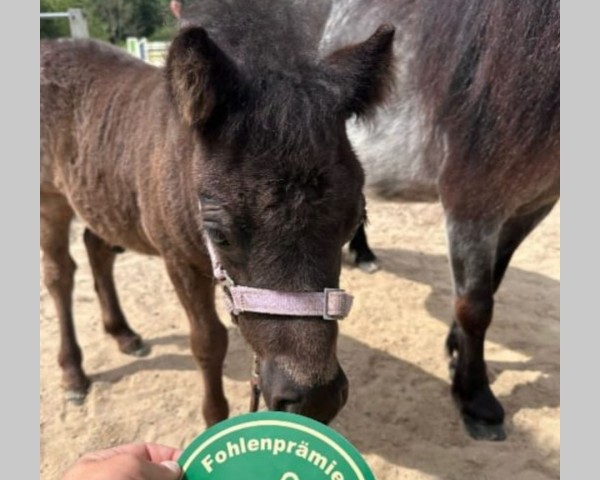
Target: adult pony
[[238, 149], [474, 122]]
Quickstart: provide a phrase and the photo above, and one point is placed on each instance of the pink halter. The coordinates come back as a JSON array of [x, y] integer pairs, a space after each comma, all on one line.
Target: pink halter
[[330, 304]]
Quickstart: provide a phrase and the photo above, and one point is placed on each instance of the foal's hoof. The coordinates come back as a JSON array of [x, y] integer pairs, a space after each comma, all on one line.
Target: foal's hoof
[[368, 267], [76, 392], [76, 397], [479, 430], [76, 385], [134, 346]]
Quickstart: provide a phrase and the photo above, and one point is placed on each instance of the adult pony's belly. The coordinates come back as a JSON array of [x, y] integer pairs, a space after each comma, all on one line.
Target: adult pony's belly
[[393, 152]]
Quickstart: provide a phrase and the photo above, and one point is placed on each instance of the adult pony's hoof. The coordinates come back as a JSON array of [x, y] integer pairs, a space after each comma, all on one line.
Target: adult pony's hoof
[[134, 346], [368, 267], [479, 430], [481, 412]]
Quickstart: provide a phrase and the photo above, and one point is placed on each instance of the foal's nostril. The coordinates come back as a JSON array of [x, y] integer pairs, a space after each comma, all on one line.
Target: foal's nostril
[[321, 401], [345, 391], [286, 404]]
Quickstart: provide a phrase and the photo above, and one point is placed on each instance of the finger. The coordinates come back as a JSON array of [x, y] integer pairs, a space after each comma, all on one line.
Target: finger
[[159, 453], [151, 452], [138, 450], [167, 470]]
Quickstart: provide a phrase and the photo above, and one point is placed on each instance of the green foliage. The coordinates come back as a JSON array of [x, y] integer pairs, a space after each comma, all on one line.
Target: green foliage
[[112, 20], [164, 33]]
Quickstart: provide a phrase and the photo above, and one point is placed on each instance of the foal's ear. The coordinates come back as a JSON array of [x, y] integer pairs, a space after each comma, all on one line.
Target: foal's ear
[[201, 77], [364, 71]]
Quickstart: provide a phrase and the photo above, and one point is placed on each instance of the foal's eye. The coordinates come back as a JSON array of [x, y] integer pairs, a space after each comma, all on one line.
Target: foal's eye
[[218, 237]]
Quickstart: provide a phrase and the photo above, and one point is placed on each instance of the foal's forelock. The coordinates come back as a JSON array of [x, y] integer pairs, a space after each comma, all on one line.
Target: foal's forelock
[[213, 90]]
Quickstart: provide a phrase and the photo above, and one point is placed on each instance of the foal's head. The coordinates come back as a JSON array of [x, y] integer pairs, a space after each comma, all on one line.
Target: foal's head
[[280, 191]]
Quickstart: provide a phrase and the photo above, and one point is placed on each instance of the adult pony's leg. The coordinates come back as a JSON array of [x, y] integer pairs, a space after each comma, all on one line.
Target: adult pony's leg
[[514, 231], [59, 270], [102, 259], [364, 257], [196, 291], [473, 246], [512, 234]]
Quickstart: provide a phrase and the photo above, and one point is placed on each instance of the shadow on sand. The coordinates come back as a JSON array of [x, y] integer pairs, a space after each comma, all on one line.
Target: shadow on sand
[[393, 403]]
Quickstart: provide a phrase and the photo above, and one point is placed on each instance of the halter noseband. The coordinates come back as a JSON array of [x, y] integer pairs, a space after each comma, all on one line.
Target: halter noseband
[[330, 304]]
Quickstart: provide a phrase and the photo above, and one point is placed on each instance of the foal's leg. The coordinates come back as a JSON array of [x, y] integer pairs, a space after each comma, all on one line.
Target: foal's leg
[[102, 259], [472, 253], [512, 234], [59, 270], [364, 257], [208, 335]]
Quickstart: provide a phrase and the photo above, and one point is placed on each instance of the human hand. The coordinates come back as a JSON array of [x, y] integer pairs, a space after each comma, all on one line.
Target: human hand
[[137, 461], [175, 8]]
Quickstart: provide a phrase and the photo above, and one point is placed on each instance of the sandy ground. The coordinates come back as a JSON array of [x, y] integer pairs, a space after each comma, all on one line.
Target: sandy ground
[[399, 414]]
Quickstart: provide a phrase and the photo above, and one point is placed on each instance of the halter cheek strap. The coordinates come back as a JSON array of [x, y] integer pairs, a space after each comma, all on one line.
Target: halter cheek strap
[[330, 304]]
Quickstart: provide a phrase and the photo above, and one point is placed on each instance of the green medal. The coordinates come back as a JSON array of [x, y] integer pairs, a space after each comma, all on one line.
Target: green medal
[[272, 446]]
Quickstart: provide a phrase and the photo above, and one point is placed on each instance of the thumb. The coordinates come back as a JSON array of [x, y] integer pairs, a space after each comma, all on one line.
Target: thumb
[[173, 466], [167, 470]]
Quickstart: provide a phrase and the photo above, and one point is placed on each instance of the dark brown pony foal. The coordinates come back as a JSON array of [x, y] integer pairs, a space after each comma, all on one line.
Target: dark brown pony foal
[[242, 138]]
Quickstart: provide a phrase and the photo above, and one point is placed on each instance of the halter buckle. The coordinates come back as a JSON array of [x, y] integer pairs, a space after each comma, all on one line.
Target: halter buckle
[[326, 293]]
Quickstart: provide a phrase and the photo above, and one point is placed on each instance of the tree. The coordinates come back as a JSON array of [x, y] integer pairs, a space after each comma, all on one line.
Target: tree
[[115, 14], [148, 17], [123, 18], [112, 20]]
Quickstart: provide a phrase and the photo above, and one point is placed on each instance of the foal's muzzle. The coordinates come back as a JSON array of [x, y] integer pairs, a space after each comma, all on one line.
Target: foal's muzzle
[[321, 402]]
